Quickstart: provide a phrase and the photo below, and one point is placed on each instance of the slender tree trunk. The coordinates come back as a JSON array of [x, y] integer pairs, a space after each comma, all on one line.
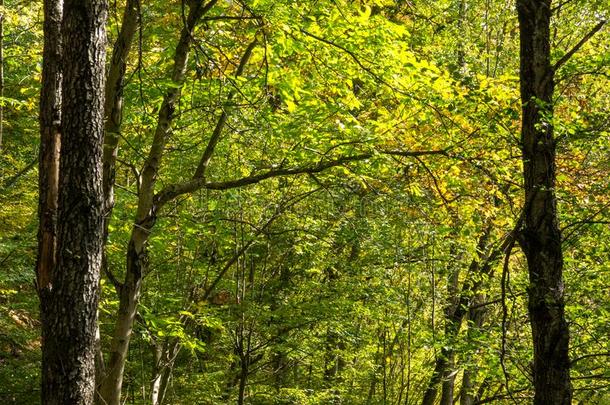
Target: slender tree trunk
[[112, 383], [243, 378], [477, 317], [114, 100], [113, 112], [1, 73], [454, 314], [541, 238], [69, 289], [137, 254], [448, 385], [48, 161], [165, 355]]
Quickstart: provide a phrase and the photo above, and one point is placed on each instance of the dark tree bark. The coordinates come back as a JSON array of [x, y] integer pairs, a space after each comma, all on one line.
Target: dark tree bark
[[541, 237], [48, 161], [69, 288]]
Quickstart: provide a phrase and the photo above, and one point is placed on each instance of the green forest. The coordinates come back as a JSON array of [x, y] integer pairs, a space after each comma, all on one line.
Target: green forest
[[317, 202]]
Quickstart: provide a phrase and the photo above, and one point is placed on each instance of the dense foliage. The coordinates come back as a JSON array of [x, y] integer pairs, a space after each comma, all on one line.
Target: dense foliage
[[345, 240]]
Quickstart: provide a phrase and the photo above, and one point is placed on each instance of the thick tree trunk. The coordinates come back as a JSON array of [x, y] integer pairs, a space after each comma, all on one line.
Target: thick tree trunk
[[541, 238], [69, 289]]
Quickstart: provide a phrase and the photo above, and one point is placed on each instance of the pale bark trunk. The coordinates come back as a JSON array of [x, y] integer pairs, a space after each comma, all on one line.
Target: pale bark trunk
[[113, 107], [113, 113], [165, 357], [69, 288], [112, 383], [137, 254], [477, 317]]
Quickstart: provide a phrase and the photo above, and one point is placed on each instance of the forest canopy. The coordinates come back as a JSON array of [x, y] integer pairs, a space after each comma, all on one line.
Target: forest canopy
[[316, 202]]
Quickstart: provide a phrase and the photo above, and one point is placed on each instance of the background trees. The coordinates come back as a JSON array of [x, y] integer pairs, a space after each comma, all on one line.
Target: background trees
[[312, 203]]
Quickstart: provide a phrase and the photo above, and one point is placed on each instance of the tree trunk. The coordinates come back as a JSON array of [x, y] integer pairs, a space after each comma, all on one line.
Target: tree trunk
[[137, 254], [454, 315], [477, 317], [48, 161], [243, 378], [69, 289], [113, 112], [440, 366], [165, 356], [114, 100], [541, 238], [137, 261], [1, 73], [448, 385]]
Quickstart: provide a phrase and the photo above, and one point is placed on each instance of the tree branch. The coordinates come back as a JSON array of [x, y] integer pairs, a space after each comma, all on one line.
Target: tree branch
[[579, 45], [12, 180], [586, 356], [209, 150], [172, 191]]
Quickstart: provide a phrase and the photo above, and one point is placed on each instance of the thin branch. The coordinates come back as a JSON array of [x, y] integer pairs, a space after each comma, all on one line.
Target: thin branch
[[174, 190], [209, 150], [586, 356], [350, 53], [12, 180], [230, 17], [579, 45], [210, 289]]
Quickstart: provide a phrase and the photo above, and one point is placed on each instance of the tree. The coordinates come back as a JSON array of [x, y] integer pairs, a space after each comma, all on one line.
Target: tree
[[541, 238], [308, 202], [68, 272]]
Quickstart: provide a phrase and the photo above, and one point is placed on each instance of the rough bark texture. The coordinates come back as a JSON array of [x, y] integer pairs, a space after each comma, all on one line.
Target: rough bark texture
[[541, 238], [69, 296]]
